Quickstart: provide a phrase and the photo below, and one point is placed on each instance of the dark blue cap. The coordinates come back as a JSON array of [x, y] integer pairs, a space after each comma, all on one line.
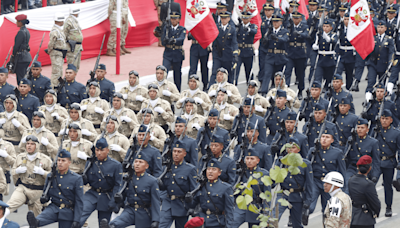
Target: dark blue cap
[[25, 81], [268, 6], [180, 144], [297, 14], [329, 131], [292, 115], [213, 163], [225, 14], [294, 3], [386, 113], [294, 140], [380, 86], [175, 14], [64, 154], [345, 100], [246, 14], [362, 121], [328, 22], [277, 17], [180, 120], [348, 15], [248, 101], [213, 113], [343, 7], [37, 64], [101, 67], [252, 152], [221, 4], [382, 22], [322, 8], [251, 126], [142, 128], [337, 77], [101, 143], [316, 84], [71, 67], [391, 9], [3, 70], [280, 93], [217, 139], [2, 204], [143, 156], [319, 107], [313, 2]]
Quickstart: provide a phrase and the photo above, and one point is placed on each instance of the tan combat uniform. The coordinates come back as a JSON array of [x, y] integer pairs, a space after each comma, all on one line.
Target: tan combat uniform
[[235, 98], [90, 113], [167, 117], [31, 185], [289, 92], [120, 140], [77, 164], [53, 124], [227, 109], [261, 101], [125, 128], [112, 13], [201, 108], [11, 133], [85, 124], [158, 132], [167, 85], [335, 218], [3, 183], [131, 101], [190, 130], [50, 150], [57, 42], [73, 31], [6, 163]]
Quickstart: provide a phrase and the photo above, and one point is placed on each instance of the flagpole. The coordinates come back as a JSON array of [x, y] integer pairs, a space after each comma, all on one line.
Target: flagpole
[[118, 57]]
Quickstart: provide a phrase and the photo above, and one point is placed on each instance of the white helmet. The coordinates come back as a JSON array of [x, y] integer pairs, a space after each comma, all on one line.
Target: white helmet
[[59, 17], [74, 10], [334, 178]]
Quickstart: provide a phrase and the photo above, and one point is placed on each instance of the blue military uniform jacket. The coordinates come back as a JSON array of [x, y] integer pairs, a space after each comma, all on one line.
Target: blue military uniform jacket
[[265, 26], [177, 182], [112, 171], [337, 97], [263, 150], [389, 146], [382, 54], [296, 46], [192, 153], [226, 43], [313, 132], [72, 92], [344, 124], [312, 23], [67, 189], [221, 195], [228, 169], [310, 108], [207, 135], [326, 50], [5, 89], [253, 119], [9, 224], [245, 39], [39, 86], [345, 48], [276, 49], [107, 89], [195, 48], [373, 112], [155, 165], [391, 26], [304, 148], [273, 123], [326, 161], [174, 52], [28, 104]]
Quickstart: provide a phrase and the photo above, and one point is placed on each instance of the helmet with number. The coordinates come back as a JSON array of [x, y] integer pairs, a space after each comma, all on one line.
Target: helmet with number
[[334, 178]]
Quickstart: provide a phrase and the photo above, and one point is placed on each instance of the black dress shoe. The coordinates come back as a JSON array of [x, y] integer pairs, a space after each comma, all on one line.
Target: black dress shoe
[[32, 7], [300, 96], [33, 223], [289, 224], [388, 212]]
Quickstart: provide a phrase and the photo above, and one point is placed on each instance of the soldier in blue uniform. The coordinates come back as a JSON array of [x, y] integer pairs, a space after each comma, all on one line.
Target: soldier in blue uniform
[[276, 57], [215, 198], [40, 84], [172, 38], [324, 159], [222, 7], [66, 195], [337, 93], [263, 150], [312, 22], [252, 161], [107, 87], [225, 48], [141, 197], [290, 131], [245, 38], [179, 179], [205, 133], [5, 88], [154, 165], [73, 91], [297, 51], [279, 114], [265, 27], [345, 121], [198, 53], [391, 21], [380, 58], [104, 175], [309, 103], [6, 223], [27, 103], [226, 163]]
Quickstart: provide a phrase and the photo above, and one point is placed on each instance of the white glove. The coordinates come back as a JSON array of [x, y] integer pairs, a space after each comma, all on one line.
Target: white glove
[[54, 114], [227, 117], [83, 107], [44, 141], [125, 96], [38, 170], [115, 147], [368, 96], [86, 132], [2, 121], [182, 100], [159, 110], [21, 169], [390, 87], [166, 93], [126, 119], [152, 137], [23, 140], [16, 123], [289, 98], [315, 47], [326, 37], [99, 110], [229, 93], [259, 108], [3, 153], [196, 125], [82, 155], [212, 93], [139, 98], [198, 100], [63, 133]]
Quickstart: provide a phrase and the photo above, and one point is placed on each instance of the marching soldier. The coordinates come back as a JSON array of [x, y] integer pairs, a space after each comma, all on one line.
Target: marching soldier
[[134, 93], [5, 88], [6, 222], [222, 7], [126, 117], [279, 114], [199, 53], [7, 159], [308, 104], [315, 13], [107, 87], [75, 116], [80, 148], [47, 140], [366, 204], [27, 103], [73, 36], [345, 121], [57, 48], [195, 121], [226, 164], [40, 83], [73, 91], [268, 10], [66, 194], [279, 82], [105, 179], [118, 143], [14, 123], [325, 158], [201, 98], [179, 179], [93, 108], [162, 109], [20, 57], [222, 82], [163, 9], [112, 16], [338, 93], [29, 175], [391, 20], [167, 89], [157, 133], [227, 111], [260, 103]]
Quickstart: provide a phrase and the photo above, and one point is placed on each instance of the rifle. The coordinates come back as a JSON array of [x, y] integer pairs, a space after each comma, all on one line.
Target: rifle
[[378, 125], [167, 21], [281, 132], [8, 55], [349, 143], [96, 65], [45, 195], [62, 81], [239, 117], [270, 109]]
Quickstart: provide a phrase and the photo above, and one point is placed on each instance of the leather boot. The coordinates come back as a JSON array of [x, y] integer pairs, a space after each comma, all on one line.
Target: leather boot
[[121, 52], [33, 223], [125, 50], [388, 212], [110, 52], [104, 224], [290, 224]]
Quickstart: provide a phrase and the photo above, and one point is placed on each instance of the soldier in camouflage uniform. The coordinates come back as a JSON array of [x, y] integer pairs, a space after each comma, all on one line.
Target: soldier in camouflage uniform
[[201, 98], [7, 159], [74, 37], [112, 15], [134, 94], [227, 111], [195, 121]]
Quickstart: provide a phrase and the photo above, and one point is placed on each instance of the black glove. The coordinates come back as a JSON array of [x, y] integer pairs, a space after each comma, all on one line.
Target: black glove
[[274, 148], [297, 33], [190, 212], [75, 225], [46, 51], [233, 134], [374, 179], [302, 116], [271, 101], [118, 198], [44, 199], [235, 58], [364, 115], [84, 178], [154, 224], [398, 167], [189, 197], [273, 36]]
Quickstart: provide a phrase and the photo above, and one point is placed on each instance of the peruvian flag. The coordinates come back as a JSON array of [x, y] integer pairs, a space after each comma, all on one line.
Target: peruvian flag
[[303, 8], [283, 5], [200, 23], [361, 30], [249, 6]]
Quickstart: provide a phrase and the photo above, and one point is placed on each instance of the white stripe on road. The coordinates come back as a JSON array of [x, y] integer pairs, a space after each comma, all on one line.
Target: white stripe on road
[[381, 219]]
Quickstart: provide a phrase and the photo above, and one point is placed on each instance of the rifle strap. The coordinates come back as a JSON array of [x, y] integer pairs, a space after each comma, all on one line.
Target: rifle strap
[[102, 174], [215, 206], [141, 199], [391, 149], [61, 191]]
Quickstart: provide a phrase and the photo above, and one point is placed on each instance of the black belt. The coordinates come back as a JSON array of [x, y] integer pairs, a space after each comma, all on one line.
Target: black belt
[[174, 197], [96, 125], [294, 189], [33, 187], [354, 164], [147, 205], [15, 143], [208, 212], [63, 205], [101, 190], [56, 49], [383, 158]]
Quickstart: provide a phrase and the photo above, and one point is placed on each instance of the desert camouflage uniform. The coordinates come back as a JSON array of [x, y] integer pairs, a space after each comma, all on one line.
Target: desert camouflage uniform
[[57, 41], [120, 140], [50, 150], [112, 13], [131, 101], [335, 218], [73, 31], [77, 164]]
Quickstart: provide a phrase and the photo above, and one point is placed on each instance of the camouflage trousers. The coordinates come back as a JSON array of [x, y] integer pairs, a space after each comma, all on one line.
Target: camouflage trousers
[[72, 55], [112, 40], [57, 62]]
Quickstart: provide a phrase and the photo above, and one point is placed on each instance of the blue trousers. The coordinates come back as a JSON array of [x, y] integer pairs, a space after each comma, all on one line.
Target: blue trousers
[[167, 219], [248, 64], [359, 67], [194, 59], [295, 212], [48, 217], [313, 58], [325, 73], [269, 71], [348, 69], [388, 174], [261, 63], [394, 76], [372, 78], [318, 190], [299, 66], [217, 63], [176, 66], [127, 218], [88, 209]]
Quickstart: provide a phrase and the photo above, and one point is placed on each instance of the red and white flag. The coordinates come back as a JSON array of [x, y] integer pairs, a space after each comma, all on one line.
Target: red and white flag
[[361, 29], [249, 6], [282, 4], [200, 23], [303, 8]]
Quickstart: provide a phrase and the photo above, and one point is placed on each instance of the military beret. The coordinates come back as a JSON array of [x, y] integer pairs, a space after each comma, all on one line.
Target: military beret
[[294, 140], [316, 84], [180, 120], [362, 121], [380, 85], [142, 128], [386, 113], [247, 14], [37, 64], [148, 111], [39, 114], [319, 107], [329, 131], [252, 126], [337, 77], [345, 100], [134, 72], [213, 113], [3, 70], [221, 5], [381, 22], [225, 14], [25, 81], [252, 152], [297, 14], [277, 17], [175, 14], [71, 67], [152, 86], [213, 163], [75, 106], [64, 154], [248, 101], [268, 6], [291, 116], [313, 2], [391, 10], [51, 91], [74, 126], [364, 160], [180, 144], [101, 67], [280, 93], [32, 138], [143, 156], [223, 70], [21, 17], [101, 143], [217, 139], [294, 3], [195, 222]]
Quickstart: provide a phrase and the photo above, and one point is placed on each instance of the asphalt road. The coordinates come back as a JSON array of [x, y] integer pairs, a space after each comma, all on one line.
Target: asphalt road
[[315, 220]]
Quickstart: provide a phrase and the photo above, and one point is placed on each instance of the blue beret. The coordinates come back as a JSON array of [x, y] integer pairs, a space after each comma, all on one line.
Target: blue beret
[[3, 70], [101, 143], [386, 113], [251, 126], [362, 121], [175, 14], [316, 84], [213, 113], [248, 101], [319, 107], [252, 152], [25, 81], [380, 86], [294, 140], [345, 100], [143, 156], [213, 163], [64, 154], [217, 139], [277, 17], [180, 144], [180, 120], [281, 93], [101, 67], [142, 128], [291, 116], [2, 204], [225, 14], [337, 77], [37, 64], [71, 67]]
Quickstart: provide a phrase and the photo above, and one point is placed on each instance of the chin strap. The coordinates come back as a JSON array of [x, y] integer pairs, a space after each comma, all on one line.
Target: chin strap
[[331, 190]]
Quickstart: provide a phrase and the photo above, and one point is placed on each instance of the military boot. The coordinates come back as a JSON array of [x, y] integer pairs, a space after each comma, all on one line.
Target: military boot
[[110, 52], [33, 222], [388, 212], [125, 50]]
